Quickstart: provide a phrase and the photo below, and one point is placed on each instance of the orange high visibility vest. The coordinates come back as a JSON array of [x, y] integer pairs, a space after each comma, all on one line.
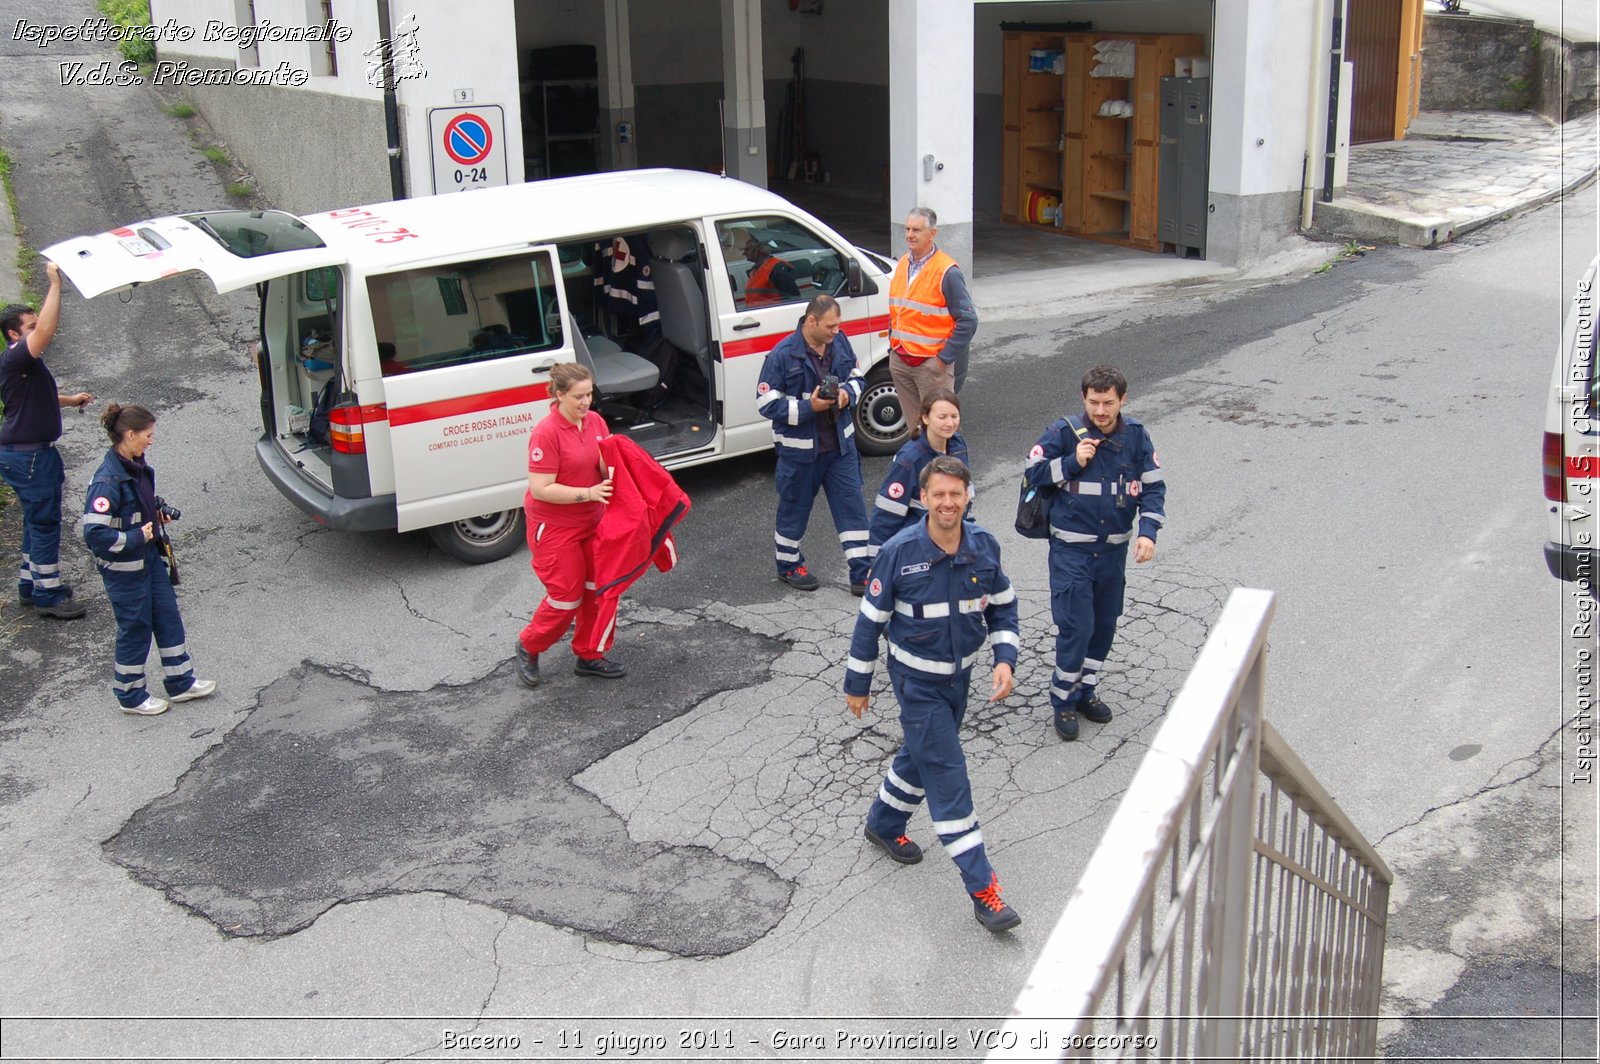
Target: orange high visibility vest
[[919, 322], [759, 289]]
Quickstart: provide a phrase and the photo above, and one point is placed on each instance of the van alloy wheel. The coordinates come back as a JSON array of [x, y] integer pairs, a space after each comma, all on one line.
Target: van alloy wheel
[[486, 538]]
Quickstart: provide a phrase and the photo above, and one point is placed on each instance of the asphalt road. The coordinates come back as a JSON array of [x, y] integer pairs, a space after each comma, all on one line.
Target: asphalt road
[[373, 819]]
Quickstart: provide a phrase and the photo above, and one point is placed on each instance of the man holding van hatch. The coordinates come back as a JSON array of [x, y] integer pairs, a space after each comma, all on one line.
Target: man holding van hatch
[[808, 384], [28, 458], [931, 318]]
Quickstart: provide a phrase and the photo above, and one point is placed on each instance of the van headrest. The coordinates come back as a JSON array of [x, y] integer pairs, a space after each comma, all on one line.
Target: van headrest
[[674, 245]]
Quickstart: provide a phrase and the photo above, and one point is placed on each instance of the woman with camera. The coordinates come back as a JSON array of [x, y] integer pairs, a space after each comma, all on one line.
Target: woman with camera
[[937, 432], [123, 521]]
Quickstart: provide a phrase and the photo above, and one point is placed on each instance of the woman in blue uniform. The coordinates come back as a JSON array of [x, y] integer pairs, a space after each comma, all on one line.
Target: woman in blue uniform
[[122, 523], [938, 432]]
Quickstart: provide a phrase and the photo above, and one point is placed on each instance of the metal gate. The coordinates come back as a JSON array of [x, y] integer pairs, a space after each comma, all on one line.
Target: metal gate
[[1372, 46]]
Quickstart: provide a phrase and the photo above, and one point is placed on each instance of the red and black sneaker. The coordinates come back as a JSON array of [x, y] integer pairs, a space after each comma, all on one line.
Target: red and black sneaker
[[898, 848], [991, 912], [800, 579]]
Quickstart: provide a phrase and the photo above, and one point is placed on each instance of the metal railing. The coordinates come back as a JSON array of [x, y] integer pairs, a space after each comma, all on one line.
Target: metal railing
[[1231, 911]]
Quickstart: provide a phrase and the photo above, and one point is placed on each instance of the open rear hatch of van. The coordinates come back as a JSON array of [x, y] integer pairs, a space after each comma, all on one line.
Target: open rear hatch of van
[[233, 248]]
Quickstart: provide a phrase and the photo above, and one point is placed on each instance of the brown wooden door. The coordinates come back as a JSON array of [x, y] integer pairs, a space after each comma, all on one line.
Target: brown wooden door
[[1373, 48]]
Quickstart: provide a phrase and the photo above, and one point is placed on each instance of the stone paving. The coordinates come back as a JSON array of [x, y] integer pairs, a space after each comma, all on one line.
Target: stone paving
[[1458, 170]]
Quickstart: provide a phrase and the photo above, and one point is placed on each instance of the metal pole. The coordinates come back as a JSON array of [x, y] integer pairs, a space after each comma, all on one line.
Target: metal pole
[[391, 106], [1335, 63]]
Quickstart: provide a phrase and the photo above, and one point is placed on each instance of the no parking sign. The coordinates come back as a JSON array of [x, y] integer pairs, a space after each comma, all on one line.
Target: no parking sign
[[467, 145]]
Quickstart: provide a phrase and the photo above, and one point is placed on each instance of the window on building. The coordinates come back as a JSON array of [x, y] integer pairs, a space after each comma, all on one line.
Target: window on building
[[463, 312], [324, 56]]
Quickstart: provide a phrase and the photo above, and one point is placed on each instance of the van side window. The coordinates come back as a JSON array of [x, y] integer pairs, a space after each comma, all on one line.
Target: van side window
[[774, 260], [462, 312]]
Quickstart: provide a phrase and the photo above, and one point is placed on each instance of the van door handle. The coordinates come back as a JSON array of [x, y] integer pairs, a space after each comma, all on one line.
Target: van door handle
[[544, 365], [747, 324]]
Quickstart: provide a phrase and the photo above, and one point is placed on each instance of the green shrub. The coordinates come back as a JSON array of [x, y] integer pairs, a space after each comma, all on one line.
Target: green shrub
[[130, 13]]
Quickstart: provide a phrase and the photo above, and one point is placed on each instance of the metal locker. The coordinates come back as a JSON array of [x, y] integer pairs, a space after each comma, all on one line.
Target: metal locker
[[1184, 149]]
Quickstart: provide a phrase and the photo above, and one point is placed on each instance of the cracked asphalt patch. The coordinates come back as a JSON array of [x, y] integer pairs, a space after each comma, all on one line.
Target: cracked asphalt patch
[[793, 791], [332, 791]]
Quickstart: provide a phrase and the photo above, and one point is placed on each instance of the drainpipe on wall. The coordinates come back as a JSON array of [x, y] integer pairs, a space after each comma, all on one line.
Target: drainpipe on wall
[[1318, 13], [391, 105], [1335, 65]]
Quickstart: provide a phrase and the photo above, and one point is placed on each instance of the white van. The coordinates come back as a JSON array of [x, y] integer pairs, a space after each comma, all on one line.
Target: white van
[[1572, 442], [405, 346]]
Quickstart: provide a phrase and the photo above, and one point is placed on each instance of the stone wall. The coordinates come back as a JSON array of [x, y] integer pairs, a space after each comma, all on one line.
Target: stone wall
[[1478, 63], [1567, 78], [1482, 63]]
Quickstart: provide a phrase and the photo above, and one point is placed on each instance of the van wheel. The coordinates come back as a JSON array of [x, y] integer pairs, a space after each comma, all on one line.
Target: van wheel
[[487, 538], [880, 426]]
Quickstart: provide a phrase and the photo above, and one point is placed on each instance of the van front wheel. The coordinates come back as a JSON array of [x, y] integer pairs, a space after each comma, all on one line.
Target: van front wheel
[[880, 426], [486, 538]]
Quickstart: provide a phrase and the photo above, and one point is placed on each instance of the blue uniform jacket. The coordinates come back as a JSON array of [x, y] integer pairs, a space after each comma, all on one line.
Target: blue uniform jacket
[[939, 608], [899, 501], [112, 517], [1123, 470], [788, 378]]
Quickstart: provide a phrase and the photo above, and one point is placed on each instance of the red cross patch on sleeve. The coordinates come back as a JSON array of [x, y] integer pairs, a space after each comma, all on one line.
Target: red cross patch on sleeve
[[763, 388], [876, 588], [896, 490], [101, 504], [1037, 452], [538, 454]]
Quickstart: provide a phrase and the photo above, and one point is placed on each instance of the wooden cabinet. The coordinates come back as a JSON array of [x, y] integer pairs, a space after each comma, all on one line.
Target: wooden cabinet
[[1091, 140]]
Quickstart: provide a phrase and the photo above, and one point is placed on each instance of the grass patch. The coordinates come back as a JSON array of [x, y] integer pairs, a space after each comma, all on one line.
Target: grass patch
[[128, 13], [240, 190], [26, 256], [216, 155], [180, 110]]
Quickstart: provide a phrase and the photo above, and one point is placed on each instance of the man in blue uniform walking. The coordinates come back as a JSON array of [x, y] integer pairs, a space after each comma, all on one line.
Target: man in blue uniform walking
[[938, 587], [29, 462], [1105, 474], [808, 385]]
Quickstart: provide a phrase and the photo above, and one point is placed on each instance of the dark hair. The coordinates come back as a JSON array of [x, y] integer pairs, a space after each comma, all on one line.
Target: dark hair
[[950, 467], [1105, 378], [943, 395], [564, 375], [11, 319], [820, 305], [121, 420]]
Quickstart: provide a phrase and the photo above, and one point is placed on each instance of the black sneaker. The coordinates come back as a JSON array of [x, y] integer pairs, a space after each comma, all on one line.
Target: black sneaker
[[858, 589], [991, 912], [899, 848], [1067, 726], [527, 666], [64, 610], [800, 579], [1094, 710], [604, 668]]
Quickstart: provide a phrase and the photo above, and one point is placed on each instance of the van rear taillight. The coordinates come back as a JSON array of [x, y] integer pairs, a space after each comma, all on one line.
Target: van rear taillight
[[1555, 468], [345, 430]]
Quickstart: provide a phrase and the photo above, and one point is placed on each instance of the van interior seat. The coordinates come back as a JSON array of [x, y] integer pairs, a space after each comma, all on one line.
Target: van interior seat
[[616, 372], [679, 299]]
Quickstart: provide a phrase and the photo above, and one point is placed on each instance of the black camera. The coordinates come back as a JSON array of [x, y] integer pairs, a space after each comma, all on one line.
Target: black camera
[[171, 513], [829, 388]]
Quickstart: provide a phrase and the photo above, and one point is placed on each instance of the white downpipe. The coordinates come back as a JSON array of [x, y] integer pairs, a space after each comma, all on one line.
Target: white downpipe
[[1319, 16]]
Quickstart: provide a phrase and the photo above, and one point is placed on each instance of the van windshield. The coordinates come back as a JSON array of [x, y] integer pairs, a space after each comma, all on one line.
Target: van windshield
[[248, 234]]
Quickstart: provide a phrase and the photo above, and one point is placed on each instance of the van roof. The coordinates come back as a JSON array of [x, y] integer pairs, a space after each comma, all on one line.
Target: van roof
[[237, 248], [626, 201]]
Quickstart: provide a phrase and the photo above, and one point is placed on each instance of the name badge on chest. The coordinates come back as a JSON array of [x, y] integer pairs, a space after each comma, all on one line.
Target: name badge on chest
[[920, 567]]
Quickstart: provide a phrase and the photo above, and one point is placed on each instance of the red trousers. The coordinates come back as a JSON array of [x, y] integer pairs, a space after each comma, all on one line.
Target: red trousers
[[563, 559]]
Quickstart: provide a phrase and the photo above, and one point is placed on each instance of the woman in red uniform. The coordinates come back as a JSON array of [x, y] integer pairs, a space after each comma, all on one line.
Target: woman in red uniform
[[567, 491]]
